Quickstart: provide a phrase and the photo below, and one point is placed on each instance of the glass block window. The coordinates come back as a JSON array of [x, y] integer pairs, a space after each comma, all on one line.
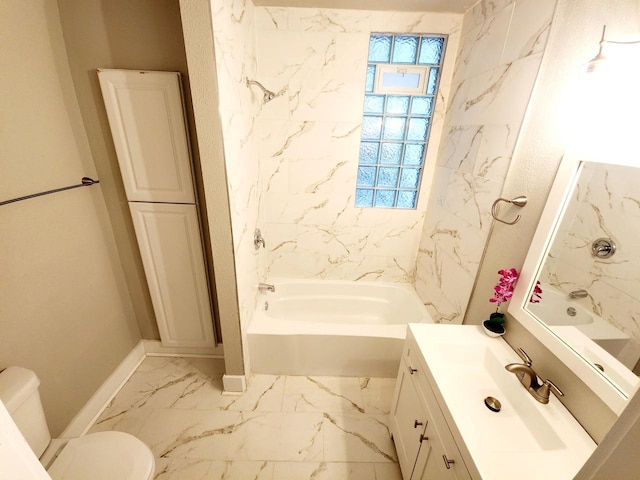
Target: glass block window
[[402, 79]]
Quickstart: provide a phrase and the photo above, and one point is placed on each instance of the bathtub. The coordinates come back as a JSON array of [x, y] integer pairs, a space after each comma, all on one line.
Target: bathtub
[[338, 328]]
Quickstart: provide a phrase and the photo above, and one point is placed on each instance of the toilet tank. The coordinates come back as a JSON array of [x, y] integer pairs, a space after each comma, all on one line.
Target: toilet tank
[[19, 393]]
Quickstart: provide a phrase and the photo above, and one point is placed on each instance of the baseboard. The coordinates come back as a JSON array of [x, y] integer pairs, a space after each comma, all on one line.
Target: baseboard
[[234, 384], [90, 412], [154, 348], [111, 386]]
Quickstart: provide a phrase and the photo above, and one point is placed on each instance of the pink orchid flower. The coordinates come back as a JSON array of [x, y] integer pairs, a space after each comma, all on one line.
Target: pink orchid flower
[[504, 288], [536, 296]]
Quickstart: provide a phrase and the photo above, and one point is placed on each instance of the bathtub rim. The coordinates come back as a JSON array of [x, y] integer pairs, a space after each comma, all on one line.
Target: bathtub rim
[[262, 323]]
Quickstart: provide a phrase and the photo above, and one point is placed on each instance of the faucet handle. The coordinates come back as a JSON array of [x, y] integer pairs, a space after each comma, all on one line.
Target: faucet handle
[[543, 391], [523, 355]]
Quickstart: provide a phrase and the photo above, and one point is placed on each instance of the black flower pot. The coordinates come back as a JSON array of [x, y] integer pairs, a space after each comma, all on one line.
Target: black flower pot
[[493, 328]]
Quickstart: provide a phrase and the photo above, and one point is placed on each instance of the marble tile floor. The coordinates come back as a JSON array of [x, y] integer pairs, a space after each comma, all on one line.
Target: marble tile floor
[[281, 428]]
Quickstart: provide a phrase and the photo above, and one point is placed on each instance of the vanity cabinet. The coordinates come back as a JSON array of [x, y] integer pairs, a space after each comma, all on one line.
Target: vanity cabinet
[[426, 449], [444, 430]]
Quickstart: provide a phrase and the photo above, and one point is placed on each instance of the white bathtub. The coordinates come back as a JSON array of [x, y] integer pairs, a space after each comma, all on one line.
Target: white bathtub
[[315, 327]]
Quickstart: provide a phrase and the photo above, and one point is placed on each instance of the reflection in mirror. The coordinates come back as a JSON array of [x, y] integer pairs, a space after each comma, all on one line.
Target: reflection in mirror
[[590, 276]]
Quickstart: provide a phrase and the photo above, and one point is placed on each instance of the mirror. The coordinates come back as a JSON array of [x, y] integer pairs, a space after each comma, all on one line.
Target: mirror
[[585, 260]]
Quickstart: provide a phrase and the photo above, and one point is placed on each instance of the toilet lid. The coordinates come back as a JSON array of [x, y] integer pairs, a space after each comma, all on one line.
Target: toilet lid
[[104, 456]]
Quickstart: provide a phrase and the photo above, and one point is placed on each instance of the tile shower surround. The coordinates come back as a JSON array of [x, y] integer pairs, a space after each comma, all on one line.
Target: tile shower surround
[[292, 163], [282, 427], [500, 53], [316, 62]]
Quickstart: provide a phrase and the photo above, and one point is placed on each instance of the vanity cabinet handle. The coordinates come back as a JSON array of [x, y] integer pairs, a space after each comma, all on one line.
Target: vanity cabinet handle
[[417, 424], [423, 438], [412, 370], [447, 462]]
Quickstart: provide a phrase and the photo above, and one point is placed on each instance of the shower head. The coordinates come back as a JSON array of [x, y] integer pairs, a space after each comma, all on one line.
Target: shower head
[[268, 94]]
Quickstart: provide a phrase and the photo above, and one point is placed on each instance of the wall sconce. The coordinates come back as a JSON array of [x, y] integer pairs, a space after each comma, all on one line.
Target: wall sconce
[[607, 120]]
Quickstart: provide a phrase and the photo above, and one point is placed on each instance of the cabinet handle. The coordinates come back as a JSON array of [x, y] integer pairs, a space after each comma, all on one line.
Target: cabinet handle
[[417, 424], [423, 438], [412, 370], [447, 462]]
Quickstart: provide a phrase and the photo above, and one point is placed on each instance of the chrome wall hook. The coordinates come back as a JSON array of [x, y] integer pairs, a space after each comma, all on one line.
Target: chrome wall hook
[[520, 201]]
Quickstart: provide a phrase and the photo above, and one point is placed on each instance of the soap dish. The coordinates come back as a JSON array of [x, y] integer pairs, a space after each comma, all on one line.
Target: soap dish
[[493, 329]]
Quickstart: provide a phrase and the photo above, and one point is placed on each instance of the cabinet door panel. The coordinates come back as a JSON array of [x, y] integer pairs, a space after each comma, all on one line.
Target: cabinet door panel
[[169, 240], [442, 443], [146, 116], [408, 421], [427, 466]]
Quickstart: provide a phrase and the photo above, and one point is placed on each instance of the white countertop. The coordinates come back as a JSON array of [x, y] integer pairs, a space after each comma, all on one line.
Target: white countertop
[[526, 439]]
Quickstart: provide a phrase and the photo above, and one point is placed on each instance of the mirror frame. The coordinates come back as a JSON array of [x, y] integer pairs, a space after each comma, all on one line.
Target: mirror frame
[[557, 201]]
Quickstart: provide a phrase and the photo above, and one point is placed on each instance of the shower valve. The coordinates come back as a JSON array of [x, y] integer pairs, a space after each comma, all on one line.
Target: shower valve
[[258, 241]]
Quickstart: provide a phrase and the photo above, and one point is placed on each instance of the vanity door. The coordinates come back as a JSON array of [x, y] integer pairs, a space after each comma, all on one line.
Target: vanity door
[[433, 463], [443, 460], [427, 466], [408, 420]]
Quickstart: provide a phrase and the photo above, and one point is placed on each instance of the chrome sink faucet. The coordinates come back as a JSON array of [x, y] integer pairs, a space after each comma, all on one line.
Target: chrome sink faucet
[[529, 379]]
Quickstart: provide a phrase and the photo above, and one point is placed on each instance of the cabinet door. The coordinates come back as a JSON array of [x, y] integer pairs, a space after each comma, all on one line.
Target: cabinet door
[[408, 421], [169, 240], [427, 464], [439, 457], [146, 116]]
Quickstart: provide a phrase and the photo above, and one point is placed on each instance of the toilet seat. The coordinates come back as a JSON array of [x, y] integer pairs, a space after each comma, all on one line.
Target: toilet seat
[[104, 456]]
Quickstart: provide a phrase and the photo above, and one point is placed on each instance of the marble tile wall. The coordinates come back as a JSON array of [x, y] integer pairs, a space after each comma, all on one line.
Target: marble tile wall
[[498, 59], [234, 38], [315, 60], [606, 203]]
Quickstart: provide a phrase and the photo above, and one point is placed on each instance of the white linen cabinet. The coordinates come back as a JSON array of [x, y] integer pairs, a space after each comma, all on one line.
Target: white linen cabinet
[[148, 125]]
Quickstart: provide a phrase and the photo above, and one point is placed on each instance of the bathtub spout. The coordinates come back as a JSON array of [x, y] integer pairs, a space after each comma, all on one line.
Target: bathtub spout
[[265, 287]]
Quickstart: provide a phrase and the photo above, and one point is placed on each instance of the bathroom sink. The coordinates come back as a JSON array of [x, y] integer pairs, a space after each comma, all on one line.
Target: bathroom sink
[[475, 373], [524, 437]]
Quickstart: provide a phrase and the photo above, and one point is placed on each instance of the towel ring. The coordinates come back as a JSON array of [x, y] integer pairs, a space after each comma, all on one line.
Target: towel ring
[[520, 201]]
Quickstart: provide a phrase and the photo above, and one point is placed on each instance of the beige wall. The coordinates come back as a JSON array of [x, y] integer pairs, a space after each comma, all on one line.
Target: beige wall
[[65, 311], [145, 35], [573, 41]]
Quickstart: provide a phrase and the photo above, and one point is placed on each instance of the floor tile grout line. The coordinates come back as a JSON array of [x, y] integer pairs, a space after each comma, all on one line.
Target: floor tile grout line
[[286, 382]]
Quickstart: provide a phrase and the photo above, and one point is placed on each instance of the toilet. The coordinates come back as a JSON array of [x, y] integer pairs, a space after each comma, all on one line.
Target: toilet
[[96, 456]]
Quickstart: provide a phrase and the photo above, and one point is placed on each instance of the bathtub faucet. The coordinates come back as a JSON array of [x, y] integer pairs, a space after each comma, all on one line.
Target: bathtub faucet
[[265, 287]]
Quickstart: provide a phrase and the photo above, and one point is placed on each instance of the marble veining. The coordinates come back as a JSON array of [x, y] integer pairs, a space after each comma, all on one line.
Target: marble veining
[[234, 26], [498, 60], [309, 145], [282, 427]]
